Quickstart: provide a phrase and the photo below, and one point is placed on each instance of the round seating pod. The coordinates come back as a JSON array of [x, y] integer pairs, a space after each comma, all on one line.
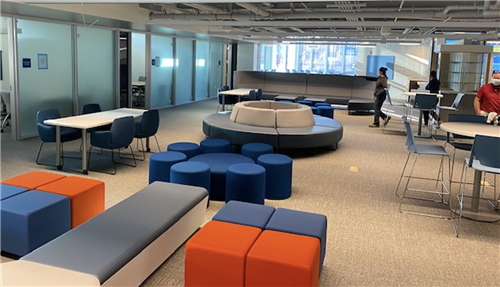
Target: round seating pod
[[278, 175], [187, 148], [315, 110], [193, 173], [246, 182], [254, 150], [215, 146], [160, 164]]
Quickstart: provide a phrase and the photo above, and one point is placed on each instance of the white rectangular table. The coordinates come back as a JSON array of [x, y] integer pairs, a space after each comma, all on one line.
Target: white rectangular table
[[471, 130], [85, 122], [236, 92]]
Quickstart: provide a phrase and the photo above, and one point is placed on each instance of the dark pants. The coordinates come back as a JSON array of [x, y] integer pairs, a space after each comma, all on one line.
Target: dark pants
[[379, 101]]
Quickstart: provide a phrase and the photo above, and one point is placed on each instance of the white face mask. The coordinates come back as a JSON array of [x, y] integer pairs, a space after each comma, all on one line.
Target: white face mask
[[495, 82]]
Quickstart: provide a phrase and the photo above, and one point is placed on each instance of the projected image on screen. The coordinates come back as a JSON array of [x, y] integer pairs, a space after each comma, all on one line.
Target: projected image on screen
[[373, 63]]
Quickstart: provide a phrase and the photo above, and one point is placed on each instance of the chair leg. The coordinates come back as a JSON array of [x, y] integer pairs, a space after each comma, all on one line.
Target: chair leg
[[133, 158], [39, 150], [460, 201], [157, 144], [402, 173], [407, 183]]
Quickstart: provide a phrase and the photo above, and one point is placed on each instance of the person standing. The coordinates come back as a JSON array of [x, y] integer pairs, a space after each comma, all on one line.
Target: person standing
[[380, 96], [488, 97], [433, 87]]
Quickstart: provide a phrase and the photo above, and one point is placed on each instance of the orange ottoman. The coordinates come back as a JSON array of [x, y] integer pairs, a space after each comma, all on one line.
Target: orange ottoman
[[33, 180], [86, 196], [215, 256], [283, 259]]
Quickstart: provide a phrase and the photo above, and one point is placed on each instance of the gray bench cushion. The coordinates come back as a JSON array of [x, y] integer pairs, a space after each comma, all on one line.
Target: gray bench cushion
[[105, 243]]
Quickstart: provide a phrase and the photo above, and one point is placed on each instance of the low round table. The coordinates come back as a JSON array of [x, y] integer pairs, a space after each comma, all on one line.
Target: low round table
[[219, 162], [475, 211]]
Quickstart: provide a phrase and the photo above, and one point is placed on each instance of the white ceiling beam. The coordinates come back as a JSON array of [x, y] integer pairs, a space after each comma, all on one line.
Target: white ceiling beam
[[255, 9], [313, 24]]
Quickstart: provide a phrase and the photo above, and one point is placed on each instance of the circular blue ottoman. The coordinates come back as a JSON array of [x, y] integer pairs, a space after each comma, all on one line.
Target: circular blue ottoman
[[215, 146], [254, 150], [325, 111], [314, 110], [278, 175], [307, 103], [160, 164], [187, 148], [246, 182], [323, 104], [219, 162], [191, 173]]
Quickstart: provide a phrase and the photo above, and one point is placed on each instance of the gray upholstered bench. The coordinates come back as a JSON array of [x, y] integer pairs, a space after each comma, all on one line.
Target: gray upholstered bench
[[359, 105], [123, 245]]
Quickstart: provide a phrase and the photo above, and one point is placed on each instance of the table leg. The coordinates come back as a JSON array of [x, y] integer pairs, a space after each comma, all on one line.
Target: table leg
[[84, 152], [223, 103], [147, 145], [476, 190], [419, 123], [58, 147]]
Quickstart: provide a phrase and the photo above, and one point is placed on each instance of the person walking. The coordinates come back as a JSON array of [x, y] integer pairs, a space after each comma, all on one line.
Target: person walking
[[433, 87], [380, 96]]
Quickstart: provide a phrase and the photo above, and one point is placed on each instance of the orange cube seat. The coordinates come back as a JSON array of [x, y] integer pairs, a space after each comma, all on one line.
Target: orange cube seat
[[86, 196], [216, 254], [283, 259], [33, 180]]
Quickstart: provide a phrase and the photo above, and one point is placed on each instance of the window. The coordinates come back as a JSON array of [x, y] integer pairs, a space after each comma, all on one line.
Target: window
[[309, 58]]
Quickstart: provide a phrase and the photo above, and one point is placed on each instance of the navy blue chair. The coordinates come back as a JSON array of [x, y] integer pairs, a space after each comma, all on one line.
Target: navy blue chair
[[47, 133], [252, 96], [147, 127], [119, 136], [259, 95], [228, 99], [91, 108], [484, 157]]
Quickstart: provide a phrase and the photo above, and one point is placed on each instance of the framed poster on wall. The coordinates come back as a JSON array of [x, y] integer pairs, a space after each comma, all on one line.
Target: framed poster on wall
[[43, 62]]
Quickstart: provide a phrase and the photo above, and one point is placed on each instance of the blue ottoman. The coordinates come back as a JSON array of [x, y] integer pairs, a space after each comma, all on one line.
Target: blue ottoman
[[278, 175], [191, 173], [301, 223], [325, 111], [31, 219], [7, 191], [246, 182], [245, 213], [307, 103], [215, 146], [323, 104], [314, 110], [160, 164], [187, 148], [254, 150]]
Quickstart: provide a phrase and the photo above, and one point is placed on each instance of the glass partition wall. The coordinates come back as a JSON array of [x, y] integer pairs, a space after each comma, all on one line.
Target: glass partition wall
[[162, 54]]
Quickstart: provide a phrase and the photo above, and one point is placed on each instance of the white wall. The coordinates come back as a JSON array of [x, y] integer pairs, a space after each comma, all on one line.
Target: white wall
[[410, 62], [247, 56], [4, 46]]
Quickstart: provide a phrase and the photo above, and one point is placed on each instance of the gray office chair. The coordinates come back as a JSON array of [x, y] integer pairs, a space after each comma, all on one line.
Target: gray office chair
[[5, 115], [429, 150], [392, 105], [142, 78]]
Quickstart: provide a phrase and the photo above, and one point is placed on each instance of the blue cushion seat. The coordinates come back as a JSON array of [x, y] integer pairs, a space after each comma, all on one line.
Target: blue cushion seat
[[254, 150], [219, 162], [284, 101], [245, 213], [160, 164], [246, 182], [322, 104], [31, 219], [315, 110], [301, 223], [192, 173], [215, 146], [7, 191], [187, 148], [279, 170], [307, 103], [325, 111]]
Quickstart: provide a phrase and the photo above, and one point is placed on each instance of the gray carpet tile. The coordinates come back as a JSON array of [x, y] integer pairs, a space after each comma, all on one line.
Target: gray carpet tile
[[370, 243]]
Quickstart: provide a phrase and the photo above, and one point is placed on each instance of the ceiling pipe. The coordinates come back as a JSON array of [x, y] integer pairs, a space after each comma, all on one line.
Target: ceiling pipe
[[255, 9], [206, 7]]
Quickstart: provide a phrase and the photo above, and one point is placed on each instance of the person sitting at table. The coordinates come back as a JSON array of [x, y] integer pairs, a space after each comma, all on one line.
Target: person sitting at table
[[433, 87], [487, 98]]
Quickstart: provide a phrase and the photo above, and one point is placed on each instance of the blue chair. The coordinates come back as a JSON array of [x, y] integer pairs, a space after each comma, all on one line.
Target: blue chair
[[485, 158], [461, 142], [119, 136], [391, 105], [147, 127], [252, 96], [47, 133], [424, 103], [259, 95], [91, 108], [430, 150], [228, 99]]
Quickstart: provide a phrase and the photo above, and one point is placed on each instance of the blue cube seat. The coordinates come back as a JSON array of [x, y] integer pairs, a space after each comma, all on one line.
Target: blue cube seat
[[7, 191], [307, 103], [301, 223], [245, 213], [31, 219]]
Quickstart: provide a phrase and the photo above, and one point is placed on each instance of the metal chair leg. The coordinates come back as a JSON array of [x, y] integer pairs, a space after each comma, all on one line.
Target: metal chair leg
[[402, 174]]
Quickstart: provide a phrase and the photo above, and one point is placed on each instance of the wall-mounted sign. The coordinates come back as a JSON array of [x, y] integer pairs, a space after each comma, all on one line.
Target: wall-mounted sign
[[153, 62], [26, 62], [43, 62]]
